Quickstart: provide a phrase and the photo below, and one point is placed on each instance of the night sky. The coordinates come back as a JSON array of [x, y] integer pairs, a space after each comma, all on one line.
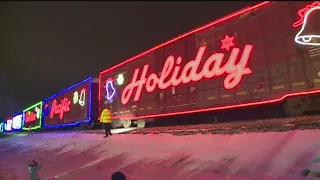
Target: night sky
[[49, 46]]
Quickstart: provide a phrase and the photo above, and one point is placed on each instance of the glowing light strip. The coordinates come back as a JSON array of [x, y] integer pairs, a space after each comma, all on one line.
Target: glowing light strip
[[232, 15], [309, 37], [224, 107], [40, 120], [89, 108]]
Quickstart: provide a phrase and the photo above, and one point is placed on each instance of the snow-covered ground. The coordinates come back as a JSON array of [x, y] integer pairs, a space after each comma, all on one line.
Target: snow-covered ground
[[81, 156]]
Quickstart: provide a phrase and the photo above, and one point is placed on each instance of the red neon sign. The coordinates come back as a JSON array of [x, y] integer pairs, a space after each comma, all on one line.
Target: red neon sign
[[61, 108], [302, 12], [190, 72], [30, 117], [223, 19]]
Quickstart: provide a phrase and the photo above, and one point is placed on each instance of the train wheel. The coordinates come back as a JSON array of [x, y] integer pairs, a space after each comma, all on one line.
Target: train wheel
[[141, 123], [116, 124], [126, 123], [295, 107]]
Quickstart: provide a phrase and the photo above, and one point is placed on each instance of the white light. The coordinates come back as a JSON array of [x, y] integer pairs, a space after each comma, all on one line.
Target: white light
[[38, 112], [17, 122], [120, 79], [82, 98], [8, 125]]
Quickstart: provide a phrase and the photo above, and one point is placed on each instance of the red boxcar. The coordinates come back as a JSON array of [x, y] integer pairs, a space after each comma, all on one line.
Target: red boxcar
[[262, 54]]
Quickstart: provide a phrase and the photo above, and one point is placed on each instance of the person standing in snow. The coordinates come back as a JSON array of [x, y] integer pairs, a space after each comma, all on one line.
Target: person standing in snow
[[33, 168], [118, 176], [106, 120], [30, 131]]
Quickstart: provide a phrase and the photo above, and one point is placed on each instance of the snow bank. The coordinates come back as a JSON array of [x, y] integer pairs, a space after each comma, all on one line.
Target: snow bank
[[81, 156]]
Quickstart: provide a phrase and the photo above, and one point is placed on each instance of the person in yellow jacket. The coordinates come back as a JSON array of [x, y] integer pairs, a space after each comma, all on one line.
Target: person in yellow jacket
[[106, 120]]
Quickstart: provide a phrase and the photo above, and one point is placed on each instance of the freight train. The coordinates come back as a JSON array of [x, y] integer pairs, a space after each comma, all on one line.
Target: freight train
[[264, 54]]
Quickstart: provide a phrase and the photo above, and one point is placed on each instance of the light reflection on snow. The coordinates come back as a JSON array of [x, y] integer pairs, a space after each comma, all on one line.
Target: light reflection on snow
[[269, 155]]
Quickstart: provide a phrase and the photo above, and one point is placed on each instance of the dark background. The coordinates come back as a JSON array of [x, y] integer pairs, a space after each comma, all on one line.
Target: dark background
[[46, 47], [77, 112]]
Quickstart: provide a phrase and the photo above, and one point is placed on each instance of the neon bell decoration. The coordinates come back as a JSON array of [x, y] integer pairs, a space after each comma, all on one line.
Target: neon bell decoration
[[82, 98], [307, 36], [109, 87]]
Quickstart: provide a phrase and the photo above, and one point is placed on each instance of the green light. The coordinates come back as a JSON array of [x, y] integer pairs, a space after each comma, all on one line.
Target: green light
[[75, 97], [120, 79], [40, 120]]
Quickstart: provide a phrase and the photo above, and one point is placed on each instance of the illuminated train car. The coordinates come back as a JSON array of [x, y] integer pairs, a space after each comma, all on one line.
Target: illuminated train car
[[12, 124], [75, 106], [32, 117], [263, 54]]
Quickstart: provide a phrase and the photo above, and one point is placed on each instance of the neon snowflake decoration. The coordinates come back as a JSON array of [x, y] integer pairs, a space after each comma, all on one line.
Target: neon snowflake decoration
[[227, 42]]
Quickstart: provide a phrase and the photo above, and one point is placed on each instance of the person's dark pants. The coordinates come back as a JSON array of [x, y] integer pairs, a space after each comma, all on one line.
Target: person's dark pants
[[30, 133], [107, 128]]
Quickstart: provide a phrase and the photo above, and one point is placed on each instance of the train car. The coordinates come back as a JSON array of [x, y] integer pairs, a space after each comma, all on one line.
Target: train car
[[32, 117], [267, 53], [73, 107], [12, 124]]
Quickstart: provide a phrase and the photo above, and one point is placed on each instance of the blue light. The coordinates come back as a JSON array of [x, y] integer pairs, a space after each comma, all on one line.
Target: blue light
[[80, 121], [107, 89]]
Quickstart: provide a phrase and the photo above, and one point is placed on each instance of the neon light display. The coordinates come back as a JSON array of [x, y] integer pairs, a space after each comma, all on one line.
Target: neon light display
[[17, 121], [32, 116], [82, 98], [132, 116], [306, 38], [109, 87], [227, 42], [275, 100], [8, 125], [59, 111], [303, 12], [1, 127], [120, 79], [190, 72], [75, 97], [192, 32]]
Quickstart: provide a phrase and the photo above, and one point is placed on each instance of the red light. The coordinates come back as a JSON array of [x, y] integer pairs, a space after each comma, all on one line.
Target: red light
[[61, 108], [227, 42], [234, 72], [222, 107], [180, 37], [30, 118], [302, 12]]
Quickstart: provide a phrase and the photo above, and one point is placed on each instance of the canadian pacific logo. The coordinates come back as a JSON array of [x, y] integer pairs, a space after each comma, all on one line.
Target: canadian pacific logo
[[306, 35]]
